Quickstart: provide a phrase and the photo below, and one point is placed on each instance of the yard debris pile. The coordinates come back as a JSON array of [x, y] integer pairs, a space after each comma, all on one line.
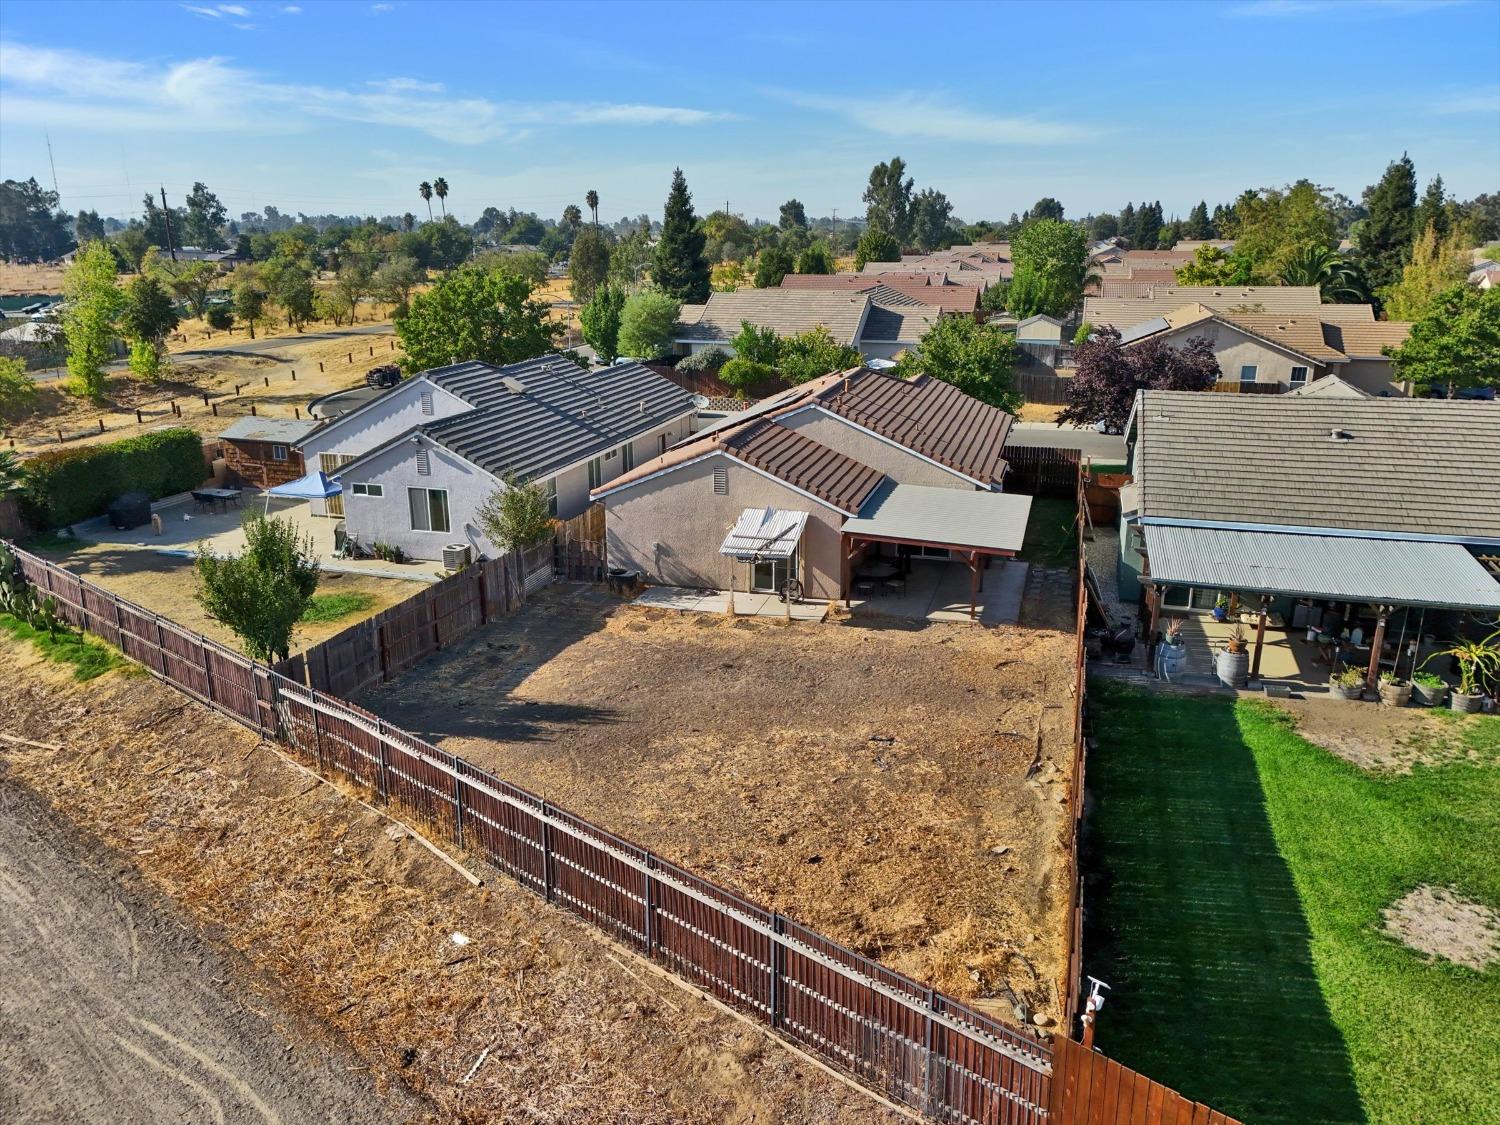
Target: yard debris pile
[[534, 1018], [900, 790]]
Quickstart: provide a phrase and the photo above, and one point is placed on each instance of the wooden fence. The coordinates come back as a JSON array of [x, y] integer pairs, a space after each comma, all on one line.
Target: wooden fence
[[1042, 386], [905, 1041], [1042, 471], [382, 647]]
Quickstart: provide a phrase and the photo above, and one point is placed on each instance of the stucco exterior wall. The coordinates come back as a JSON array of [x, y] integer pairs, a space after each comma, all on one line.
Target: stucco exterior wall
[[573, 483], [395, 412], [896, 462], [884, 349], [387, 518], [1373, 375], [1234, 350], [669, 529]]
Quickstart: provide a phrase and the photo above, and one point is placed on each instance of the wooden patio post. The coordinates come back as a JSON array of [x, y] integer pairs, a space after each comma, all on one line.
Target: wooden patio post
[[731, 587], [1377, 642], [973, 586], [1260, 637]]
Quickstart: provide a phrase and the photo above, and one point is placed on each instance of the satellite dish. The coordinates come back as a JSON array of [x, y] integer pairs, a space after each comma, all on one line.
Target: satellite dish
[[700, 401]]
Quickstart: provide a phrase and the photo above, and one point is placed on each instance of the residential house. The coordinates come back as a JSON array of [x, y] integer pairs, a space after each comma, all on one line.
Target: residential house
[[1127, 312], [1378, 511], [1264, 350], [852, 461], [879, 323], [263, 452], [950, 297], [418, 462]]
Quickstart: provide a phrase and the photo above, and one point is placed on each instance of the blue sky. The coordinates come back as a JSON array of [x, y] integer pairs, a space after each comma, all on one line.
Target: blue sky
[[321, 106]]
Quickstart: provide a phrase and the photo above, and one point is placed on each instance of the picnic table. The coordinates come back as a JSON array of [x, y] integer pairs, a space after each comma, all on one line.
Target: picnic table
[[223, 497]]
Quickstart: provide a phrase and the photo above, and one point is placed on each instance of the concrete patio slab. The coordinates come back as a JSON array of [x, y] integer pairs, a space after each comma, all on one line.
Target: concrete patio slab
[[717, 601], [939, 591]]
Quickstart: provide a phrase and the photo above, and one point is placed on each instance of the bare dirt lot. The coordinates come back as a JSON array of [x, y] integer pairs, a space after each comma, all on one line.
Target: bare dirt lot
[[535, 1019], [165, 584], [1379, 738], [900, 789]]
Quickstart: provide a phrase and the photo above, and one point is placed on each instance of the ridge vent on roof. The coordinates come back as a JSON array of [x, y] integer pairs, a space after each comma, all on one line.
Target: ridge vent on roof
[[512, 384]]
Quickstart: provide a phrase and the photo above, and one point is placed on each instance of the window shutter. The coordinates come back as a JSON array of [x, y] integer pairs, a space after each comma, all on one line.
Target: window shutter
[[721, 480], [426, 402], [424, 466]]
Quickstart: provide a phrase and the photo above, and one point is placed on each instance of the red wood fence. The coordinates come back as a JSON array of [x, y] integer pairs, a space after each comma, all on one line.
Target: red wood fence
[[900, 1038], [1041, 471]]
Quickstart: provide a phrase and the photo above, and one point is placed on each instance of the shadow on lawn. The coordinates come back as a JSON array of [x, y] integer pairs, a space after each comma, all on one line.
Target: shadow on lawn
[[1194, 920]]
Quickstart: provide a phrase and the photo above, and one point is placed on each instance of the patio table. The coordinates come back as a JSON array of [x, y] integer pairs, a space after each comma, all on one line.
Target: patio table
[[879, 570], [221, 496]]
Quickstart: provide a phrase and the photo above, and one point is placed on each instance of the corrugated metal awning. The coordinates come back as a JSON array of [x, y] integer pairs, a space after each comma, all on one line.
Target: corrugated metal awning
[[954, 518], [764, 533], [1382, 571]]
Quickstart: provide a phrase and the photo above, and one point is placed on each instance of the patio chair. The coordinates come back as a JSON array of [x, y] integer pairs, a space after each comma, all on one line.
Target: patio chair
[[896, 585], [865, 587]]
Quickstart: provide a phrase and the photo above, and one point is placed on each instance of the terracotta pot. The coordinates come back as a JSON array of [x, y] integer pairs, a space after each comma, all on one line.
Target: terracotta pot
[[1395, 695]]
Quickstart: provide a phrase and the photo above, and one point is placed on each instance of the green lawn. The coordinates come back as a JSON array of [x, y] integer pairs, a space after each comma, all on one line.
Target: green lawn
[[88, 657], [331, 607], [1051, 537], [1237, 877]]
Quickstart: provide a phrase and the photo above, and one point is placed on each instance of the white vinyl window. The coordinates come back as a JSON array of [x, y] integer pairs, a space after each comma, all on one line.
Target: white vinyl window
[[278, 453], [429, 508], [1247, 373], [1299, 376], [367, 489]]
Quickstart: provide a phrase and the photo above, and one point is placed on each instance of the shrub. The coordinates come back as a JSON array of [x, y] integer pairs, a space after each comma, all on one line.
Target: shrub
[[69, 485], [710, 359], [745, 374], [220, 318]]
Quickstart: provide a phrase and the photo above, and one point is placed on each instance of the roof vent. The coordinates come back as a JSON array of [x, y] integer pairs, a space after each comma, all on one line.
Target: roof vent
[[1340, 435], [513, 385]]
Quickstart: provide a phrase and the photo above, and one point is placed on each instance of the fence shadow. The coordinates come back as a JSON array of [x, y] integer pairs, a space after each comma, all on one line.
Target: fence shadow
[[1194, 918]]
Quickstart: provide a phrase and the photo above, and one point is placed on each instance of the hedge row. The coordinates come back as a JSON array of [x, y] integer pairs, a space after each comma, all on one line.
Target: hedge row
[[68, 485]]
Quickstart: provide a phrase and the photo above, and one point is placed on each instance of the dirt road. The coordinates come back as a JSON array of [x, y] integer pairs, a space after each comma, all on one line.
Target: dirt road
[[112, 1009]]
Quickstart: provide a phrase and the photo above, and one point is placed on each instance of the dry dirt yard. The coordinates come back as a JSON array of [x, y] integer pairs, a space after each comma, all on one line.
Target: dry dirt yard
[[900, 789], [1374, 737], [337, 915], [165, 584]]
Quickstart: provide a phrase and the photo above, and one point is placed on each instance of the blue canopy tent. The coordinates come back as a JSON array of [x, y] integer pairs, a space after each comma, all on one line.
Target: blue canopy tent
[[314, 486]]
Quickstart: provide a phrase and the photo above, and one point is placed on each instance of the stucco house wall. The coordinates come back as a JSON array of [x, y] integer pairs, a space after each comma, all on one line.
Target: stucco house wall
[[387, 518], [1233, 349], [683, 508], [1373, 375], [573, 482], [895, 461], [388, 416]]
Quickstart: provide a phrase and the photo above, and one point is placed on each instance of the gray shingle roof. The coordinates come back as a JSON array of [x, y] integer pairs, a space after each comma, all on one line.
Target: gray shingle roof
[[288, 430], [563, 415], [1414, 466], [889, 322], [786, 311]]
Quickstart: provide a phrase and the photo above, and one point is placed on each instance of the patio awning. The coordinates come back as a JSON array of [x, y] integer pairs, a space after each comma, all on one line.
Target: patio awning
[[764, 533], [1343, 568], [314, 486], [953, 518]]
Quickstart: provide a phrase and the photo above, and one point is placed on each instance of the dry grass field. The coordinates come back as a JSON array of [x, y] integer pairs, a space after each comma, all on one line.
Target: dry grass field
[[18, 280], [900, 789]]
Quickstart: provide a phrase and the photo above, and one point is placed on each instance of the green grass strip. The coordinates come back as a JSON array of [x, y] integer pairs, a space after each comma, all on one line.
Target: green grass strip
[[88, 657], [331, 607]]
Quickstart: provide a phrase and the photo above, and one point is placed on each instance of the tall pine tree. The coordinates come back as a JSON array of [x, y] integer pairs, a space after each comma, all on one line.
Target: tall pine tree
[[1432, 211], [1385, 237], [678, 267], [1198, 225]]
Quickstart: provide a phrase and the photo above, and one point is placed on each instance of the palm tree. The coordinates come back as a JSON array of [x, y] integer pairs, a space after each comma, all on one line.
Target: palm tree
[[1338, 279], [408, 221], [592, 199], [572, 215], [424, 189], [440, 189]]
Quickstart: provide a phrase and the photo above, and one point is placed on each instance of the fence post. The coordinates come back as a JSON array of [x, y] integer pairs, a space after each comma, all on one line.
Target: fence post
[[437, 636], [648, 909], [317, 728], [778, 966], [161, 649], [458, 805], [484, 608], [208, 676], [546, 852], [380, 648], [382, 784], [927, 1106], [119, 624]]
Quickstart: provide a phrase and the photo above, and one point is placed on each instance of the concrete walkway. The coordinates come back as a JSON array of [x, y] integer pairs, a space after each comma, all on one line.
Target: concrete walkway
[[717, 601]]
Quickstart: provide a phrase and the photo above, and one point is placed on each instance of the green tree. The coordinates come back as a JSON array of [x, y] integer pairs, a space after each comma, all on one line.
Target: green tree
[[1338, 278], [758, 345], [1436, 264], [475, 313], [250, 297], [204, 222], [517, 515], [424, 189], [149, 314], [1385, 236], [678, 267], [31, 227], [262, 593], [572, 215], [975, 358], [1198, 225], [289, 283], [18, 390], [1211, 267], [90, 311], [1051, 258], [1044, 208], [440, 189], [354, 282], [601, 321], [888, 199], [810, 354], [1455, 343], [1435, 210], [588, 263], [394, 280], [876, 246], [192, 282], [744, 375], [133, 246], [88, 227], [793, 215], [771, 266], [591, 199], [931, 213], [817, 258], [648, 322], [630, 259], [1272, 225]]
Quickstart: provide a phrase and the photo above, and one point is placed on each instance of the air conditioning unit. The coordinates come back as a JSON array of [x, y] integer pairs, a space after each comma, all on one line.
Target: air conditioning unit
[[456, 556]]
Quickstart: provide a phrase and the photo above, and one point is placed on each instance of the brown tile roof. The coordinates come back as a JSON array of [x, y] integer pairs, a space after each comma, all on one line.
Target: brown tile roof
[[786, 311], [1125, 312], [1368, 339], [1308, 336], [1138, 283], [929, 289], [934, 418], [1425, 466], [785, 454], [1301, 334]]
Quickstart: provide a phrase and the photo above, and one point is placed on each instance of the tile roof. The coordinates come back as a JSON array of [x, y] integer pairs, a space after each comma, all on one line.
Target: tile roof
[[1121, 312], [900, 323], [928, 288], [1330, 386], [1368, 339], [1308, 336], [562, 415], [1414, 466], [786, 311]]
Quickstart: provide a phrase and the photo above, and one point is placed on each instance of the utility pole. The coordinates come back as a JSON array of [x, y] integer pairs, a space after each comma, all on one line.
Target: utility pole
[[166, 217], [835, 238], [55, 189]]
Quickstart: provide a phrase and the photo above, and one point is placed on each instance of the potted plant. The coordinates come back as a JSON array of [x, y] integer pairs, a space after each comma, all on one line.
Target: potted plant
[[1348, 684], [1394, 691], [1221, 608], [1478, 662], [1429, 689], [1173, 653], [1233, 661]]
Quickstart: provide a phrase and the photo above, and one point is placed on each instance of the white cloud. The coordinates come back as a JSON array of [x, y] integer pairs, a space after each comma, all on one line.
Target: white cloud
[[69, 87], [235, 10], [927, 117], [1341, 9], [207, 13], [1481, 99], [382, 7], [290, 10]]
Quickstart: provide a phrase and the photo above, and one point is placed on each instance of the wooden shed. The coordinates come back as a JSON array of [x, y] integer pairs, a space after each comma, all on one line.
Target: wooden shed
[[262, 452]]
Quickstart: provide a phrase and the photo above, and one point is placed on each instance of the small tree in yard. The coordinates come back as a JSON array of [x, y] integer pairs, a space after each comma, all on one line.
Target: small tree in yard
[[517, 515], [975, 358], [1456, 344], [261, 594], [476, 313], [600, 319], [810, 354], [149, 314], [92, 307], [758, 345], [647, 322], [1108, 375], [876, 246], [743, 374], [18, 391]]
